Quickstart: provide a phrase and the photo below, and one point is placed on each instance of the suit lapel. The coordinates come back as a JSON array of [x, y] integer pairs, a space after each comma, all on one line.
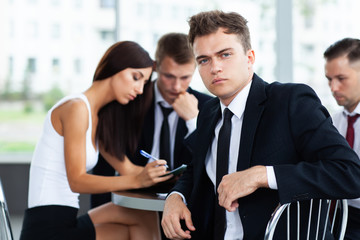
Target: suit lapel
[[149, 126], [206, 128], [181, 131], [253, 111]]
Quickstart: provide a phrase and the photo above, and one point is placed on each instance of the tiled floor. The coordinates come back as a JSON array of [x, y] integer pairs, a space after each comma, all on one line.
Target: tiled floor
[[16, 223]]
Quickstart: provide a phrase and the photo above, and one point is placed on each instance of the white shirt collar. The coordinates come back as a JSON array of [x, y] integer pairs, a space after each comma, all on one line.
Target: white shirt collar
[[356, 111], [159, 97], [237, 105]]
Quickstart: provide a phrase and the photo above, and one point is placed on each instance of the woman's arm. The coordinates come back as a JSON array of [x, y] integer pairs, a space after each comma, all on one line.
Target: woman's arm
[[124, 167], [73, 116], [146, 176]]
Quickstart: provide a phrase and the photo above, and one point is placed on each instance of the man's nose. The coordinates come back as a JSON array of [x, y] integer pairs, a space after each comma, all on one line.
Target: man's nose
[[334, 85], [177, 84], [215, 66]]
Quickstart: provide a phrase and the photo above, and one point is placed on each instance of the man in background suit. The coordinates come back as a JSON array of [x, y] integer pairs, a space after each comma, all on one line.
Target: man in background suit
[[256, 144], [342, 69], [175, 66]]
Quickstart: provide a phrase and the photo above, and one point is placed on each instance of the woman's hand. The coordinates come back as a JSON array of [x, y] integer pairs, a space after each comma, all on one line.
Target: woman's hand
[[151, 174]]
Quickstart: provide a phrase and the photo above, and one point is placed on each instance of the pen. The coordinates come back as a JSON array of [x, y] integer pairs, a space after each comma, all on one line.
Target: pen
[[147, 155]]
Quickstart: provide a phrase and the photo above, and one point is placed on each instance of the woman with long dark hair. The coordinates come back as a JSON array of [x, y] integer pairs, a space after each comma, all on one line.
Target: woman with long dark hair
[[75, 130]]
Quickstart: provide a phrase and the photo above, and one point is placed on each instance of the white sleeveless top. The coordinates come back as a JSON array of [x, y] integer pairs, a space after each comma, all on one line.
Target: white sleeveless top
[[48, 183]]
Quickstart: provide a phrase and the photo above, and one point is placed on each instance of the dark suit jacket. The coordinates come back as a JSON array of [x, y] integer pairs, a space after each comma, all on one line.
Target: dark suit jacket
[[284, 126], [181, 153]]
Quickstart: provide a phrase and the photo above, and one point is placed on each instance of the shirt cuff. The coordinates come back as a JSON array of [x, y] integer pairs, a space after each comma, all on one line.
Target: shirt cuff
[[182, 196], [191, 125], [271, 177]]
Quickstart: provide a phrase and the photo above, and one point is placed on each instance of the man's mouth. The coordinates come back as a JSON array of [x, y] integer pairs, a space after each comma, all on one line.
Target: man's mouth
[[218, 80]]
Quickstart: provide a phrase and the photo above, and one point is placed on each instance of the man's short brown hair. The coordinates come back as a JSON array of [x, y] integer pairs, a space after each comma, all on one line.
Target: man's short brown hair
[[175, 46], [349, 47], [205, 23]]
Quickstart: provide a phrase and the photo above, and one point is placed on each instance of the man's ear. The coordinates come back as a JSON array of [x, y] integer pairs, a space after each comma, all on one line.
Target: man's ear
[[155, 66], [251, 56]]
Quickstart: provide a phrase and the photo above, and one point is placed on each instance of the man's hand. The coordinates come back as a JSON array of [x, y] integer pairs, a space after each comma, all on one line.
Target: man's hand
[[174, 211], [186, 106], [240, 184]]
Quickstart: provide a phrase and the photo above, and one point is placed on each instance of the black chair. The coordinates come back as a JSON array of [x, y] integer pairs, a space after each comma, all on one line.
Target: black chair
[[311, 219], [5, 225]]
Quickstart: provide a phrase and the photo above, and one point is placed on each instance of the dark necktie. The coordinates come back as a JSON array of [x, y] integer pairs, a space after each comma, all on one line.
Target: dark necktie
[[222, 168], [350, 129], [165, 136]]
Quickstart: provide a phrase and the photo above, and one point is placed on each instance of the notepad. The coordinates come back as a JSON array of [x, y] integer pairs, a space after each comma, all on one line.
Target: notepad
[[176, 171]]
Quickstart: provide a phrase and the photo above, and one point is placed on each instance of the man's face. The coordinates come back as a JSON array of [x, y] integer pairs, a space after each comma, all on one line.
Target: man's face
[[173, 78], [344, 81], [223, 65]]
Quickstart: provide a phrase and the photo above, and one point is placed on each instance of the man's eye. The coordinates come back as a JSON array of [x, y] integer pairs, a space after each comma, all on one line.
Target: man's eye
[[202, 61], [169, 76], [226, 54]]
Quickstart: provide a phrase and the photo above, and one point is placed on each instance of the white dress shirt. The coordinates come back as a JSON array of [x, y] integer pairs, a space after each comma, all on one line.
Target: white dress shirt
[[173, 119], [340, 122]]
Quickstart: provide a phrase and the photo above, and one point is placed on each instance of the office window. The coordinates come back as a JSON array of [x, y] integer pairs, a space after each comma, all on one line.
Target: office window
[[56, 65], [77, 65], [11, 65], [78, 3], [31, 65], [318, 24], [107, 35], [155, 37], [11, 28], [175, 11], [55, 3], [107, 3], [140, 9], [55, 31], [32, 29]]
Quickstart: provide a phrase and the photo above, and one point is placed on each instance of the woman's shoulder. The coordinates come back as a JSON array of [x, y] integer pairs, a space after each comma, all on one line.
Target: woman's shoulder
[[71, 103], [73, 109]]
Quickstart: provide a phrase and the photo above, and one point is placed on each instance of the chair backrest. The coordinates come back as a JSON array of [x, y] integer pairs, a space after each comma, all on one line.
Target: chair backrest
[[312, 219], [5, 226]]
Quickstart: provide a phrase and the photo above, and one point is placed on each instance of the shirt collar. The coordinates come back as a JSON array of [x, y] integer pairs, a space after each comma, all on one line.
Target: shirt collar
[[237, 105], [356, 111], [159, 98]]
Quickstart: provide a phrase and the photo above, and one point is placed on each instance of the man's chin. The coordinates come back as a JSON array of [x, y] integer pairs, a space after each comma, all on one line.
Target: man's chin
[[172, 98], [340, 103]]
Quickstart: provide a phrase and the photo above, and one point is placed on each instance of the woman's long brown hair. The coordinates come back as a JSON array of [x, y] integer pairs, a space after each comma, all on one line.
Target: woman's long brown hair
[[119, 126]]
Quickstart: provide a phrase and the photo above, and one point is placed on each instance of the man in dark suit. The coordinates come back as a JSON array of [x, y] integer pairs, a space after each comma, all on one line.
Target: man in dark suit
[[255, 145], [175, 66], [342, 69]]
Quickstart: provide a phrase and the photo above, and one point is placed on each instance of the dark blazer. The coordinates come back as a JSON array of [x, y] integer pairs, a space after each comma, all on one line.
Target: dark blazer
[[181, 153], [284, 126]]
